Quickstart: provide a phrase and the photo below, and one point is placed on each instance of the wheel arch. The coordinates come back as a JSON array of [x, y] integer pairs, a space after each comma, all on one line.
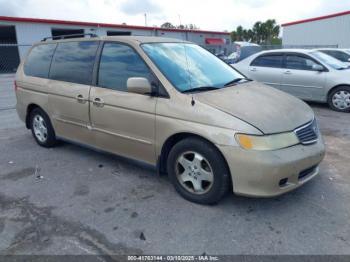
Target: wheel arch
[[30, 108], [334, 87], [173, 140]]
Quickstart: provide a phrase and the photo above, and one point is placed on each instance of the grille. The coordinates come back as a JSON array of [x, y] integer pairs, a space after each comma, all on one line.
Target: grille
[[308, 133]]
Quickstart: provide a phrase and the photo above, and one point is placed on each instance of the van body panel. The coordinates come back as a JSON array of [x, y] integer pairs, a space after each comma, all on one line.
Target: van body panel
[[244, 100], [30, 91], [137, 126], [125, 123], [69, 110]]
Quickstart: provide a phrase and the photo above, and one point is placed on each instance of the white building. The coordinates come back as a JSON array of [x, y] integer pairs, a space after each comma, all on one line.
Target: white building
[[332, 30], [18, 34]]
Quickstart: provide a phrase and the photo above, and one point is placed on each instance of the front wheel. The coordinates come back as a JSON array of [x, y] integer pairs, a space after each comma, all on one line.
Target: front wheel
[[198, 171], [339, 99]]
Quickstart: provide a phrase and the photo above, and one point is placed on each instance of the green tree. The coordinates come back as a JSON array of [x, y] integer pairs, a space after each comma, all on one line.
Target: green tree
[[186, 26], [238, 34], [271, 30], [167, 25], [261, 32], [276, 41], [258, 32]]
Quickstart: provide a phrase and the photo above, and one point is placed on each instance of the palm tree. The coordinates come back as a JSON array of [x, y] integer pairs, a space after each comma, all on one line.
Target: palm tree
[[236, 35], [261, 33], [258, 31], [271, 30], [240, 33], [250, 35]]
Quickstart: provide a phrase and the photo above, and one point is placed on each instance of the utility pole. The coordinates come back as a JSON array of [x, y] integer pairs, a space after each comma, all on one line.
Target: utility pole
[[145, 19]]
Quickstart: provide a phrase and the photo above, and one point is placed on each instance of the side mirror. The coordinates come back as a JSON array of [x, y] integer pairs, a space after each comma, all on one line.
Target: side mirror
[[139, 85], [318, 68]]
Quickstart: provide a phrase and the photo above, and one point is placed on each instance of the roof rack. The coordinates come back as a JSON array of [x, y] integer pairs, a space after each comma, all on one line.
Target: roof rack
[[67, 36]]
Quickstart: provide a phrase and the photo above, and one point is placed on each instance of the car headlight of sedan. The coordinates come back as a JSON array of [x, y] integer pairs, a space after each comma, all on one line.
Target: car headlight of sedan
[[267, 142]]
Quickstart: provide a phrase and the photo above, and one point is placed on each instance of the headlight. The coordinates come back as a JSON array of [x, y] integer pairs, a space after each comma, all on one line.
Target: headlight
[[268, 142]]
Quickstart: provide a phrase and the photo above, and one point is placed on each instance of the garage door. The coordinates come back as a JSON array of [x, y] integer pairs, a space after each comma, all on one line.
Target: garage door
[[9, 56]]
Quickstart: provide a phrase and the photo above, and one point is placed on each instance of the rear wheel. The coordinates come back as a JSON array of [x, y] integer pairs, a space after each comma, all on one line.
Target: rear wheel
[[42, 129], [198, 171], [339, 99]]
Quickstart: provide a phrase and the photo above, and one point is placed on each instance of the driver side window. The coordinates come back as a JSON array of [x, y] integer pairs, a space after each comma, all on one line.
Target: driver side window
[[299, 63], [119, 62]]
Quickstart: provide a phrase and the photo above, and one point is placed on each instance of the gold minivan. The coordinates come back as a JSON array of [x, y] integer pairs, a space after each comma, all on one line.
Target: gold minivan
[[174, 105]]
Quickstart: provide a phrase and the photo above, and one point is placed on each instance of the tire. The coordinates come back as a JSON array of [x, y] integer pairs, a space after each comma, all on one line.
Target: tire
[[343, 103], [48, 138], [189, 165]]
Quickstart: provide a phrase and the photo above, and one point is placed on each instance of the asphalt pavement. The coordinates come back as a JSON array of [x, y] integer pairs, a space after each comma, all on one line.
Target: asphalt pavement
[[72, 200]]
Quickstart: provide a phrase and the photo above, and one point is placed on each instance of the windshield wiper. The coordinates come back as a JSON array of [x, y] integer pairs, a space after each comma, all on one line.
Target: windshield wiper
[[200, 88], [236, 80]]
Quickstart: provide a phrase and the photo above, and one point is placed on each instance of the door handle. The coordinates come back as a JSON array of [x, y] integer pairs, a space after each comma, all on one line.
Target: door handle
[[287, 72], [81, 99], [98, 102], [253, 69]]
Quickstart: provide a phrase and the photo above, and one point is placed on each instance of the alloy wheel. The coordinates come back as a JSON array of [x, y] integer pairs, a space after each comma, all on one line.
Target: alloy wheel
[[39, 128], [194, 172]]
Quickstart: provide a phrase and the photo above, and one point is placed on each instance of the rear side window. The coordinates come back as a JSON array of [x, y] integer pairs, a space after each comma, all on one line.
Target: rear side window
[[118, 63], [39, 60], [299, 62], [74, 61], [268, 61]]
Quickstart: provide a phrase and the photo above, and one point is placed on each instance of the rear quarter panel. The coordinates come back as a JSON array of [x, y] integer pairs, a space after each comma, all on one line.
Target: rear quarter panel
[[30, 90]]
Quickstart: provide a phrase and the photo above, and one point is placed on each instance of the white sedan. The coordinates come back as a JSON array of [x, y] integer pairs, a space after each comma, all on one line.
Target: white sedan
[[308, 74], [340, 54]]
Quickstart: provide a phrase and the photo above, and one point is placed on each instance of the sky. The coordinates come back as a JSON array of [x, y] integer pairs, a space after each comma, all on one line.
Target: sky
[[219, 15]]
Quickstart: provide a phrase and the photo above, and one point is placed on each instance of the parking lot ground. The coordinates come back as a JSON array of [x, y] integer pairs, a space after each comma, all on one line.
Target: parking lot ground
[[72, 200]]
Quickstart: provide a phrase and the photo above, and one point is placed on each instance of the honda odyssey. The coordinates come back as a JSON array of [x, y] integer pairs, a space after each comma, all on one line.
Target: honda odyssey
[[174, 105]]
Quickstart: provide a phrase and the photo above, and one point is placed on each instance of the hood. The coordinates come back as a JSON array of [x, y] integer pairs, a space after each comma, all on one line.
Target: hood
[[266, 108]]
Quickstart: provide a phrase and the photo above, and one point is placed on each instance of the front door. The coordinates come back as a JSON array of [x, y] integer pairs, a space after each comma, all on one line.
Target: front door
[[123, 122], [301, 80]]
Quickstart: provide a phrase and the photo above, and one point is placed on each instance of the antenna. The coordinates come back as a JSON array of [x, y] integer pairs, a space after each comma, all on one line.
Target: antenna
[[188, 69]]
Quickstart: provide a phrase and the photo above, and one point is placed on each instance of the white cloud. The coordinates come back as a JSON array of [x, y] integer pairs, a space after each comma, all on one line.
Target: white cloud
[[207, 14], [135, 7]]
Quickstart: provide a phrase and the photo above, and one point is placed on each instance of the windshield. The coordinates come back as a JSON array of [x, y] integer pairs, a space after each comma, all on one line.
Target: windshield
[[232, 55], [189, 66], [338, 54], [329, 60]]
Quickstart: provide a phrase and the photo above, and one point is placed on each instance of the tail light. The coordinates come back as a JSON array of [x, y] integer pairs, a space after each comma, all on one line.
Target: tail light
[[15, 85]]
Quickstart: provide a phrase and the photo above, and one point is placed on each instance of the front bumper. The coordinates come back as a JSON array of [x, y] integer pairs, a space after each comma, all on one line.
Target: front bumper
[[271, 173]]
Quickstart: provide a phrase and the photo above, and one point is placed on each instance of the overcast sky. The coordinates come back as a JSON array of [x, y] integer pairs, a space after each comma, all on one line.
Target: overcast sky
[[207, 14]]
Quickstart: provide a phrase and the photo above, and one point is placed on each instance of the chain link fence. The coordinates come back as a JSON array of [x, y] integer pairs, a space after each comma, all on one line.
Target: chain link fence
[[10, 56]]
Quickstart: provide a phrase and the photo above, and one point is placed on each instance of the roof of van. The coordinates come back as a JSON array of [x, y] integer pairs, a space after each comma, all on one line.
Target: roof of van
[[139, 39]]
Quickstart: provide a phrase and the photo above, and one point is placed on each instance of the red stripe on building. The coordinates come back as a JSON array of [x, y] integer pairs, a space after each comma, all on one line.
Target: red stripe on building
[[316, 18], [79, 23]]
